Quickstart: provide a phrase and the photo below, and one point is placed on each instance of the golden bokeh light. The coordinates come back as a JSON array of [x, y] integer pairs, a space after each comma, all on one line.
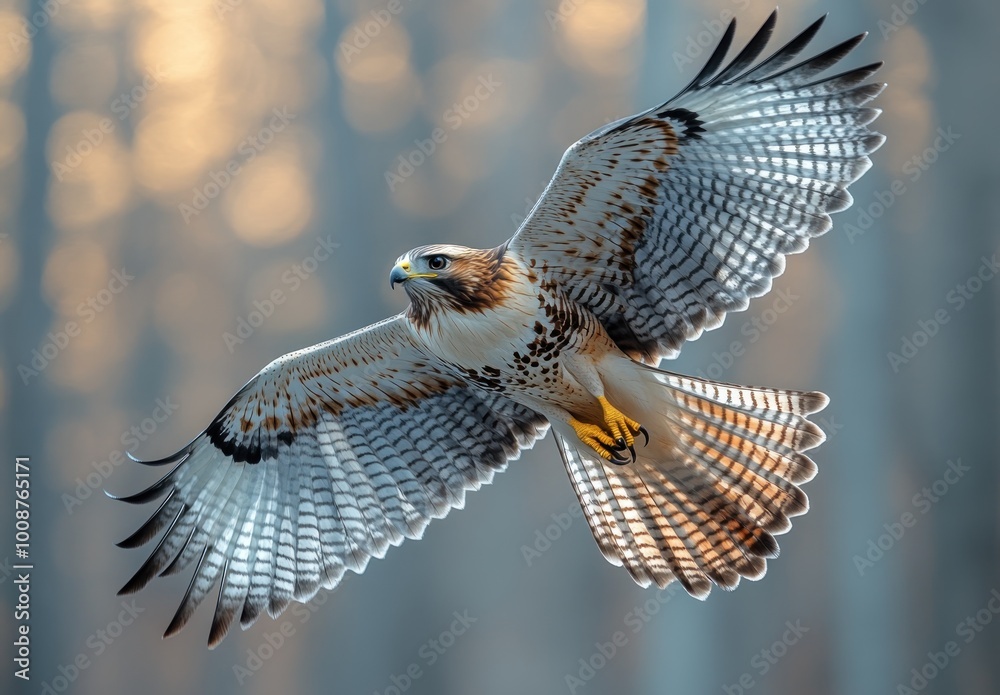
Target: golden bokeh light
[[605, 25], [95, 362], [193, 333], [176, 144], [374, 109], [182, 10], [91, 173], [380, 56], [75, 270], [464, 93], [600, 36], [270, 202], [428, 192], [380, 88], [15, 49], [185, 49], [87, 15], [305, 300], [587, 111], [906, 103], [466, 157], [12, 132], [290, 19], [84, 437]]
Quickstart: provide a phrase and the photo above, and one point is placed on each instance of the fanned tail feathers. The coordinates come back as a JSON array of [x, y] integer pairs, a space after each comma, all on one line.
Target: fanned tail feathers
[[709, 512]]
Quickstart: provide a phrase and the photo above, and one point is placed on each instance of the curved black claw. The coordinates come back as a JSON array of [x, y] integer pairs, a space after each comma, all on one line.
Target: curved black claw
[[644, 433], [618, 460], [615, 456], [617, 453]]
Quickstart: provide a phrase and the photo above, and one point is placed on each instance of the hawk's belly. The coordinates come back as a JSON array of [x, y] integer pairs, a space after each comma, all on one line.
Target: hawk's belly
[[521, 349]]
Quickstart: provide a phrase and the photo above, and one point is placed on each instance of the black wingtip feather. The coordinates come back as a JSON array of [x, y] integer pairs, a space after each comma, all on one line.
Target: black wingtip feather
[[220, 628], [787, 53], [141, 578], [742, 68], [715, 60], [819, 63], [849, 80], [184, 610], [153, 492], [144, 575], [865, 71], [150, 528], [224, 613], [177, 455], [749, 54], [176, 565], [137, 582], [251, 611]]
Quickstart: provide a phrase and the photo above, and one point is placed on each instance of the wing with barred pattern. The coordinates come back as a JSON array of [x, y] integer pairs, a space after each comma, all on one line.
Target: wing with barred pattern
[[663, 222], [325, 459]]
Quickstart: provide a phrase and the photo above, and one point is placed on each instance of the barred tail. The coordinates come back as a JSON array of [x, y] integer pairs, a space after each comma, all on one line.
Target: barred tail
[[705, 509]]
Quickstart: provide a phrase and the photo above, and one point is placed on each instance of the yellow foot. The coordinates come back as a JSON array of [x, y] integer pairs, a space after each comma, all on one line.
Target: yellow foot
[[598, 440], [613, 439], [621, 427]]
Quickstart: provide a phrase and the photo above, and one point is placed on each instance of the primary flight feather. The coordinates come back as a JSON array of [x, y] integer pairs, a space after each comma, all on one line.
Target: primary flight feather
[[651, 230]]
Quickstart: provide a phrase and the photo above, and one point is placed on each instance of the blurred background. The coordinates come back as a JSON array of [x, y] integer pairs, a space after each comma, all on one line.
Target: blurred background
[[189, 189]]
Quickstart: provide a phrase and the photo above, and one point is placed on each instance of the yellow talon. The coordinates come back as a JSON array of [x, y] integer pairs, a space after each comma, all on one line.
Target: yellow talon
[[617, 434], [594, 437], [619, 425]]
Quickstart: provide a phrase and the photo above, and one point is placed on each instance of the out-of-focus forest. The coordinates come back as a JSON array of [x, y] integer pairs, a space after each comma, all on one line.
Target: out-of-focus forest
[[190, 188]]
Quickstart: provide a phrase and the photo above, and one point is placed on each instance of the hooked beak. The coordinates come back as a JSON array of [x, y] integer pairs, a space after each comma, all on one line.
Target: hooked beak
[[398, 274], [401, 273]]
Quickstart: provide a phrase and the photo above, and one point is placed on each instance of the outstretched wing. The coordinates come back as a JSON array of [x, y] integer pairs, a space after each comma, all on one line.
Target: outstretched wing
[[321, 462], [663, 222]]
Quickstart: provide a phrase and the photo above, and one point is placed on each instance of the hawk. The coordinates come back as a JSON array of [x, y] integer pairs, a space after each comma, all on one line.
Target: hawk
[[651, 230]]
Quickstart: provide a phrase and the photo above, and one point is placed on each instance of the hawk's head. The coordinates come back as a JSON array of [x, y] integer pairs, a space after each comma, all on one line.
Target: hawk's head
[[443, 276]]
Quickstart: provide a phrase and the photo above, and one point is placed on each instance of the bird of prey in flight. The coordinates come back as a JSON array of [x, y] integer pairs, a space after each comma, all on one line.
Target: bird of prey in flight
[[651, 230]]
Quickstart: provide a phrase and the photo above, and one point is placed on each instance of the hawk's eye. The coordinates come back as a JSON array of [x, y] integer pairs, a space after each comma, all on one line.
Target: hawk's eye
[[437, 262]]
